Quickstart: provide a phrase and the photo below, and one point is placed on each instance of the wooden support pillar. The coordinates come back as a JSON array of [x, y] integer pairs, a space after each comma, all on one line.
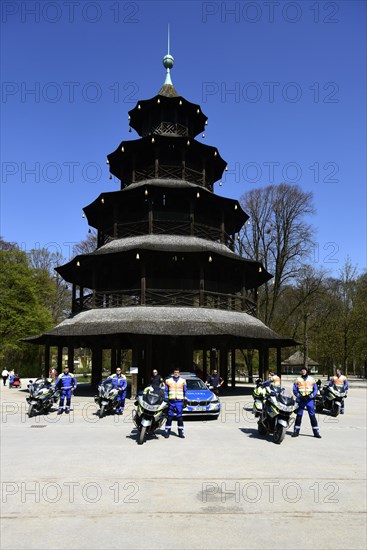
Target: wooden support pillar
[[46, 371], [137, 362], [266, 363], [148, 361], [59, 359], [156, 168], [233, 367], [192, 216], [222, 232], [113, 360], [261, 363], [213, 359], [150, 217], [205, 364], [96, 366], [223, 364], [118, 358], [202, 287], [71, 358], [279, 362], [143, 284]]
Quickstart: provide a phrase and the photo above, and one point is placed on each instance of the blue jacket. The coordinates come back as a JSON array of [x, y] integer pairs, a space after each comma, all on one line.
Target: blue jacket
[[118, 382], [66, 381]]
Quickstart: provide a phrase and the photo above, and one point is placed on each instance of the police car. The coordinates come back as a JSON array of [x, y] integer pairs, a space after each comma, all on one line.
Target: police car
[[200, 400]]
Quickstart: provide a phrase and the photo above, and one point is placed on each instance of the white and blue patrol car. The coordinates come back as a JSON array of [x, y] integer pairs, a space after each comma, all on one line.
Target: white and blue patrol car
[[200, 400]]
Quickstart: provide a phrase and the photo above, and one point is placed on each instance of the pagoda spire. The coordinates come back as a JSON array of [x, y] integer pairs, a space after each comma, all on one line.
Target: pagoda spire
[[168, 89]]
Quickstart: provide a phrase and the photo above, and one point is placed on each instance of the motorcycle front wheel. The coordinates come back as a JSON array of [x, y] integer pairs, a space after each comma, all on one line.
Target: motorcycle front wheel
[[261, 428], [335, 410], [30, 411], [102, 411], [279, 434], [141, 436]]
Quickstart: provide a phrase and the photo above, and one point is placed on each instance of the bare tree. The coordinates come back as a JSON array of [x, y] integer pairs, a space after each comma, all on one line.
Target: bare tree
[[278, 235], [89, 244]]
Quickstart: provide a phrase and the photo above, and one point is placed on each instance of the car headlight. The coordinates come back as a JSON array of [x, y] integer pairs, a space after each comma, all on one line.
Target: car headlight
[[214, 400]]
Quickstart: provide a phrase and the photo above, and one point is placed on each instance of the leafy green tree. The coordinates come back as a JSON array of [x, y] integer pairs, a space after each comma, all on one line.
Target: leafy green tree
[[23, 312]]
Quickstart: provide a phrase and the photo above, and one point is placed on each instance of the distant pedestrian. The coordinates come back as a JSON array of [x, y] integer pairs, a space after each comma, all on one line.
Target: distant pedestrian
[[5, 375]]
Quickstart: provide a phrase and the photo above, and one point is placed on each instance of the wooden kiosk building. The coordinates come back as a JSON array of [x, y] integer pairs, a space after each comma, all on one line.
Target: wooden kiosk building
[[165, 280]]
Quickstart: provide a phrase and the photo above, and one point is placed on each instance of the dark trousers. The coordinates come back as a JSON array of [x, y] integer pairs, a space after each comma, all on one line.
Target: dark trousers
[[5, 379]]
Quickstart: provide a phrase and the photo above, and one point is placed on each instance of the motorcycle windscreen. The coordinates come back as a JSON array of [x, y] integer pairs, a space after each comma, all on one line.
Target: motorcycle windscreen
[[154, 397], [285, 397]]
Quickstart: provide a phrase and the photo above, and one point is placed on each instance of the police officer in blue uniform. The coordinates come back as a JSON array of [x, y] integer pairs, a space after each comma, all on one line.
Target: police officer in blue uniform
[[305, 390], [67, 383], [120, 383]]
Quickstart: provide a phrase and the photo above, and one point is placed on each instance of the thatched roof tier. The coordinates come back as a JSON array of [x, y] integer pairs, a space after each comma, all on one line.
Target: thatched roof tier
[[167, 106], [170, 243], [163, 321], [121, 259], [163, 197]]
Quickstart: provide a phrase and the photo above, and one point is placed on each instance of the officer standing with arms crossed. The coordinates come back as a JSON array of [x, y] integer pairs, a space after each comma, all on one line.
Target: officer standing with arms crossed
[[305, 390], [67, 383], [175, 391]]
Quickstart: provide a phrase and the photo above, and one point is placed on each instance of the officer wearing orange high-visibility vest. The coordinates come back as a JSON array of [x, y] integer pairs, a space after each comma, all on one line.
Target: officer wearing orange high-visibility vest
[[305, 389], [274, 380], [175, 391], [341, 383]]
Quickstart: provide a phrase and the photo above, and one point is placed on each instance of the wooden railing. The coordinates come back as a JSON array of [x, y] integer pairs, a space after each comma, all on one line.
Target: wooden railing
[[170, 171], [165, 297], [168, 227]]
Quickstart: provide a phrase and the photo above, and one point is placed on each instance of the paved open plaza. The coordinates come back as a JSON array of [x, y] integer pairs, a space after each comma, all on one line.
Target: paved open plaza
[[80, 482]]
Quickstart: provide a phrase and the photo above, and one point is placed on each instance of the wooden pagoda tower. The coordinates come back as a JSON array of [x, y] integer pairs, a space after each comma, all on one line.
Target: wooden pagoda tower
[[165, 280]]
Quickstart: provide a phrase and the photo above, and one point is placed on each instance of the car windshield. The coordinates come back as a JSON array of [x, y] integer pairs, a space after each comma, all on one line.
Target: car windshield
[[196, 384]]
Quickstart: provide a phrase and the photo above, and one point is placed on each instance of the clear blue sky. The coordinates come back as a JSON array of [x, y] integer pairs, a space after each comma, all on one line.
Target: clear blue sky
[[283, 85]]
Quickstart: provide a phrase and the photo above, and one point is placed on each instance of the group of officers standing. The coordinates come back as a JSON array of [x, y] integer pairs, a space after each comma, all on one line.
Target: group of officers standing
[[304, 388]]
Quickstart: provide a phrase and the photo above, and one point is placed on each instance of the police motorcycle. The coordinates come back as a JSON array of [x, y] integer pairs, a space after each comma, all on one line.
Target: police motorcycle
[[151, 412], [258, 395], [106, 398], [278, 406], [42, 396], [331, 398]]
